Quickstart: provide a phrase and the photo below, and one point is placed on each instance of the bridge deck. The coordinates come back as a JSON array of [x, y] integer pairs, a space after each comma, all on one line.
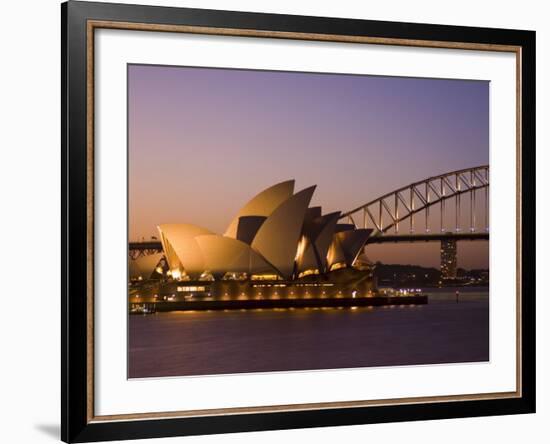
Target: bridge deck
[[427, 237], [147, 245]]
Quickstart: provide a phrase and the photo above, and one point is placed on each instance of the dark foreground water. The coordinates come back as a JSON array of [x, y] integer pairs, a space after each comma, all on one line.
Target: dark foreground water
[[201, 343]]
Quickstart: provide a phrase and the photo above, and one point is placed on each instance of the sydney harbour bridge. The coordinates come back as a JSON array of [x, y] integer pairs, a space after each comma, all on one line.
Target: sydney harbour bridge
[[447, 208]]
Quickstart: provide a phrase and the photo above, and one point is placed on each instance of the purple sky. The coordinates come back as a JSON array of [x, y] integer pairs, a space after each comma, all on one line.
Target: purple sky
[[203, 141]]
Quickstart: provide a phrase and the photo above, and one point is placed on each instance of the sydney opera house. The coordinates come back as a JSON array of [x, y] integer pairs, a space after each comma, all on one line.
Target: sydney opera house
[[277, 245]]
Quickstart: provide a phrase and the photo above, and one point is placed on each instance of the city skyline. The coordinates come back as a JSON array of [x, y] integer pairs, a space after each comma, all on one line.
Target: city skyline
[[201, 140]]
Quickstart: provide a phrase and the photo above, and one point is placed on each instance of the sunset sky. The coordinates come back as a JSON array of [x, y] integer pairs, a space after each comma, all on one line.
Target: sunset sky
[[203, 141]]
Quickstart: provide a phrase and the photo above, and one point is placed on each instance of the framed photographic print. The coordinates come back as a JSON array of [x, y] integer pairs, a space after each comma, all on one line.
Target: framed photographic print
[[275, 221]]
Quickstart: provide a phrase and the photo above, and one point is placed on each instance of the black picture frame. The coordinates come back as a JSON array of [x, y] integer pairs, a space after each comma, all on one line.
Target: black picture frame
[[76, 423]]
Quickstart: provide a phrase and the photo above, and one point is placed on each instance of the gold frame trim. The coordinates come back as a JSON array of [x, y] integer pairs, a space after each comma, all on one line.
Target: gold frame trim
[[97, 24]]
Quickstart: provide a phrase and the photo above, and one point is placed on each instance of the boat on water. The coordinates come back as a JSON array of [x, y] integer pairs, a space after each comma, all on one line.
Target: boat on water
[[143, 309]]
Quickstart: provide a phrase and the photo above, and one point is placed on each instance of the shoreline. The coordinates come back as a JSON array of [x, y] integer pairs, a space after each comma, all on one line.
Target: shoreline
[[251, 304]]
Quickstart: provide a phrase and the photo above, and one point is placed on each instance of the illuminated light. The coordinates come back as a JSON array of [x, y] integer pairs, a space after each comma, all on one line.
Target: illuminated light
[[264, 277], [354, 308], [301, 248], [191, 288], [338, 266], [176, 274], [309, 273], [158, 270], [169, 273], [139, 278], [353, 294], [155, 296]]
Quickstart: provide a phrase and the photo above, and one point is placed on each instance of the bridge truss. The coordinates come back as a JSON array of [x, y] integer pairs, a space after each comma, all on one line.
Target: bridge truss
[[449, 193], [144, 248]]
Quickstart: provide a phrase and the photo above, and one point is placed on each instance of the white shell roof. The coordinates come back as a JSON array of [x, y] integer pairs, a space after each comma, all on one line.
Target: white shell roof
[[263, 204]]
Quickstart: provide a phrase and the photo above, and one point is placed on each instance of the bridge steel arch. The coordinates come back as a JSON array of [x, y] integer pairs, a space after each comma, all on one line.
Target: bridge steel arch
[[392, 209]]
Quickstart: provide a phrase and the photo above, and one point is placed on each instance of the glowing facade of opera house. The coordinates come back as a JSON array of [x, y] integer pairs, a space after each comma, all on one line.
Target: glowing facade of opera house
[[276, 242]]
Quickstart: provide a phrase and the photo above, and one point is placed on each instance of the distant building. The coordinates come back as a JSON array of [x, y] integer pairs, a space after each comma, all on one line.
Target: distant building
[[448, 259]]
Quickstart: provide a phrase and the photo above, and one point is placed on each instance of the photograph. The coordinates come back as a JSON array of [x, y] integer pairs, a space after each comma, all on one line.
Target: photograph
[[284, 221]]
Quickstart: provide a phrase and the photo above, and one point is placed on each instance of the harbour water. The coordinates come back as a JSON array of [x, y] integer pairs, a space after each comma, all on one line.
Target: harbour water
[[225, 342]]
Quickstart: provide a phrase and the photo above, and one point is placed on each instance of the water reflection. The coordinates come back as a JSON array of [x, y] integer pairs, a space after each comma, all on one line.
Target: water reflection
[[236, 341]]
